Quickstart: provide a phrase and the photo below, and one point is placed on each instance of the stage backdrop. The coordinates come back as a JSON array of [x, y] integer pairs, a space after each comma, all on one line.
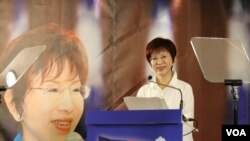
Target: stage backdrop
[[115, 33]]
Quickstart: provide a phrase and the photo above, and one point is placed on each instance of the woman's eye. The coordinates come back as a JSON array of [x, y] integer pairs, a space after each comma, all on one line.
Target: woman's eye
[[153, 59], [163, 57], [76, 90], [52, 90]]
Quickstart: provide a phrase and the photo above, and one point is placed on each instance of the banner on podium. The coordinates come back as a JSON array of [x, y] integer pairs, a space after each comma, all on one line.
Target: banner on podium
[[136, 125]]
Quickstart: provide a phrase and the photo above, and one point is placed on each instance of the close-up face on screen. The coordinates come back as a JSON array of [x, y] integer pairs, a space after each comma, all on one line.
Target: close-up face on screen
[[104, 70]]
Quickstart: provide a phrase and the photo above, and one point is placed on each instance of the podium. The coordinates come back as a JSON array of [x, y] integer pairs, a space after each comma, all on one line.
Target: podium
[[135, 125]]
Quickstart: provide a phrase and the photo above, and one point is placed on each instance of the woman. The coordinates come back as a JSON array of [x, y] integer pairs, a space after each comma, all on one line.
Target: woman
[[48, 99], [160, 54]]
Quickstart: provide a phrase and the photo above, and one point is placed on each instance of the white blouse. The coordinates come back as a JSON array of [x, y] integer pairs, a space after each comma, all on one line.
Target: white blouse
[[173, 97]]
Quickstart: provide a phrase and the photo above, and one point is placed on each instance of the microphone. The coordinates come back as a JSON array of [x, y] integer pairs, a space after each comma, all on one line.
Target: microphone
[[184, 118], [181, 101], [74, 136]]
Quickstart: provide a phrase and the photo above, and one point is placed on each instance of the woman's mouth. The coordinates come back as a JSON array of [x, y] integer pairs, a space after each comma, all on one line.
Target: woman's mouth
[[160, 68], [63, 125]]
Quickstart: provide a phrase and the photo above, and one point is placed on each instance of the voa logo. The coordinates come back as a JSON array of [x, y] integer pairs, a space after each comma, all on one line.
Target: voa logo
[[236, 132]]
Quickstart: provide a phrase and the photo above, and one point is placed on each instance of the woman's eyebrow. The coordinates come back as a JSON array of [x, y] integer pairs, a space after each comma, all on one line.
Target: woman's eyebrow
[[54, 80], [49, 80], [75, 81], [59, 81]]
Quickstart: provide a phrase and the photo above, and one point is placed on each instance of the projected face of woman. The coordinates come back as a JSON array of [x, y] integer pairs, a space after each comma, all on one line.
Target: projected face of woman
[[52, 107]]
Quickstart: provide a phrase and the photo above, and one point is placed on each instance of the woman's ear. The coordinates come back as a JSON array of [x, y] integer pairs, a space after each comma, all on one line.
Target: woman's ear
[[173, 66], [8, 95]]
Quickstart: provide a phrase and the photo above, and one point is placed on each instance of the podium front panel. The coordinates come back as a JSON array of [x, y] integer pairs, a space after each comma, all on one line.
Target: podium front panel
[[136, 125]]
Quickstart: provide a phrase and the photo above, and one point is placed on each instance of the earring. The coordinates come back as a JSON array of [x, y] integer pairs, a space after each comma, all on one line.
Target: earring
[[19, 118]]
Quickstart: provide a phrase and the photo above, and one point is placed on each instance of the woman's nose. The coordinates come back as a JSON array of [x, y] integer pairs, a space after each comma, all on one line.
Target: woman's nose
[[159, 60], [66, 103]]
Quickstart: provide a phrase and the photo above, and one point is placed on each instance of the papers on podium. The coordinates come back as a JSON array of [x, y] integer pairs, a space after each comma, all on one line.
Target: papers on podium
[[145, 103]]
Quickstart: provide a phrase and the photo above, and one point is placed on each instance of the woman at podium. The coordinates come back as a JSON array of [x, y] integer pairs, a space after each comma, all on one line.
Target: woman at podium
[[47, 99], [160, 54]]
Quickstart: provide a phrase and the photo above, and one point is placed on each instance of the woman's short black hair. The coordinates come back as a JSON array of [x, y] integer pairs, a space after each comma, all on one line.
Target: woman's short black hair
[[158, 44]]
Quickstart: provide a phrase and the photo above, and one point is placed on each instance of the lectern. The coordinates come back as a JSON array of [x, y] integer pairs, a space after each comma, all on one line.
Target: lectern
[[135, 125]]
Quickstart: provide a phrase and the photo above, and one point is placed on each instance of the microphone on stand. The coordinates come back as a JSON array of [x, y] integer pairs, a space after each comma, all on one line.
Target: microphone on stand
[[184, 118], [181, 101]]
